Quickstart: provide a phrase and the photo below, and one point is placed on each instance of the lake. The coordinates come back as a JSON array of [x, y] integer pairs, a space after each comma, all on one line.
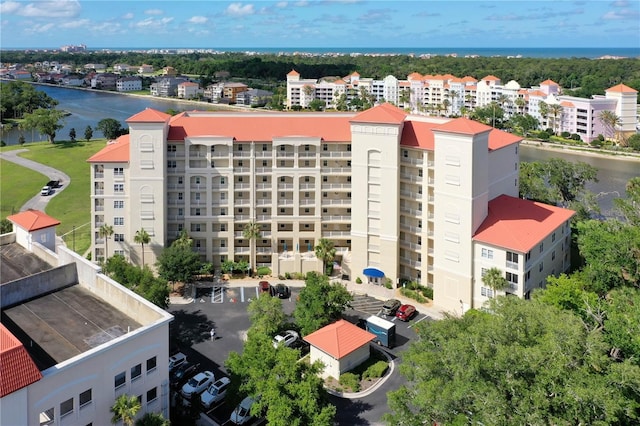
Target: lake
[[87, 108]]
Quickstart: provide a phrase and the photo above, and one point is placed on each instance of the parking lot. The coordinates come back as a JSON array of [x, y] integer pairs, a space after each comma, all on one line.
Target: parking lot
[[225, 309]]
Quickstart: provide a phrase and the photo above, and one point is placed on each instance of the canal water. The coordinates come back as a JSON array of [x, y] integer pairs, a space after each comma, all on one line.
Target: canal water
[[87, 108]]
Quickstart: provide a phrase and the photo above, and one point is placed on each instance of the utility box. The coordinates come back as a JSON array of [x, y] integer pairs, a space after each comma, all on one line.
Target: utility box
[[385, 331]]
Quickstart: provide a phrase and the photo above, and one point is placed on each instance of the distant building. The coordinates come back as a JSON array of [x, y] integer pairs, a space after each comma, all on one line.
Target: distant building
[[96, 67], [105, 81], [166, 86], [189, 90], [145, 69], [129, 84], [254, 97], [71, 339]]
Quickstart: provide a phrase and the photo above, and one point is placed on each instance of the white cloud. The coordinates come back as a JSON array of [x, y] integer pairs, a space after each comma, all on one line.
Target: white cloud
[[9, 7], [127, 16], [198, 20], [152, 24], [75, 23], [282, 4], [45, 9], [153, 12], [620, 15], [238, 9], [39, 28], [301, 3]]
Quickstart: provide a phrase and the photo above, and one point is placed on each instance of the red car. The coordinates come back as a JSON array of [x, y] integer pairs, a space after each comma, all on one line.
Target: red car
[[405, 312], [265, 287]]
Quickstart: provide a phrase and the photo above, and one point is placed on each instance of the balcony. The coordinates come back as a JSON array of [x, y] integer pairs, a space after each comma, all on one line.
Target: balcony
[[414, 161], [241, 154], [336, 218], [288, 186], [336, 202], [99, 175], [336, 170], [331, 186], [335, 154]]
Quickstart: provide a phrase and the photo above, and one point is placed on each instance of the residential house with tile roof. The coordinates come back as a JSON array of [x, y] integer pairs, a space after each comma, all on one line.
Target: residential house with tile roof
[[402, 194], [71, 339]]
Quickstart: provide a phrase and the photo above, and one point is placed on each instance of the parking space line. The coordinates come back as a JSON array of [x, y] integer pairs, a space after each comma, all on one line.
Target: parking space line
[[242, 294], [421, 319]]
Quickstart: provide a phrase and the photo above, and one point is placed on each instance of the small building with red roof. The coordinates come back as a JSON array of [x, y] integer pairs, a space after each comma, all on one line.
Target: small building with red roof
[[34, 226], [340, 346]]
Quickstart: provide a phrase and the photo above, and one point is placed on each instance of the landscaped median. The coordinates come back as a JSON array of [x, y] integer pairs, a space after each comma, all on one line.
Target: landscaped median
[[365, 378]]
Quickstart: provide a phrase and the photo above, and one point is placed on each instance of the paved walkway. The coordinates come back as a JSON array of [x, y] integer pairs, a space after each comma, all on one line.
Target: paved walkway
[[38, 202]]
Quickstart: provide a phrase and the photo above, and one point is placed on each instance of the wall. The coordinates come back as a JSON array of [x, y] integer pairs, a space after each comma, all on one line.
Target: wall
[[331, 365], [37, 284], [14, 408], [354, 359]]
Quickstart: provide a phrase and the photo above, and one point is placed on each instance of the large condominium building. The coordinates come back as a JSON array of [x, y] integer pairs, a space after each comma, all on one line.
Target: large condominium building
[[451, 96], [401, 197], [71, 339]]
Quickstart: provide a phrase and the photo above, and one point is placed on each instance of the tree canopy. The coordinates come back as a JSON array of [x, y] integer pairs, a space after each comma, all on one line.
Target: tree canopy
[[110, 128], [45, 121], [178, 262], [140, 280], [320, 303], [524, 363], [18, 98]]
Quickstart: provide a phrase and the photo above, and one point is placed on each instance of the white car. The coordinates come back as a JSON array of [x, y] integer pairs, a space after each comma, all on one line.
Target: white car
[[242, 412], [215, 392], [176, 360], [285, 339], [46, 190], [197, 384]]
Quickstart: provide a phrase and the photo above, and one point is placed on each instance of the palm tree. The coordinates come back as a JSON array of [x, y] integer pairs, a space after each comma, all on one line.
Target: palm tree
[[555, 110], [544, 111], [326, 252], [494, 279], [520, 103], [142, 238], [309, 92], [105, 231], [125, 409], [251, 231], [610, 121]]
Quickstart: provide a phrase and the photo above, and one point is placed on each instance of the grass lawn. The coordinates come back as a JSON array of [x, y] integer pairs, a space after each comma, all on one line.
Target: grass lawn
[[72, 207], [17, 186]]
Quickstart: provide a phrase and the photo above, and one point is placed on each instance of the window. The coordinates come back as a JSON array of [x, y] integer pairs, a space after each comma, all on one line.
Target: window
[[306, 195], [541, 247], [306, 179], [553, 255], [325, 179], [151, 364], [172, 164], [541, 267], [348, 163], [264, 179], [171, 148], [152, 394], [483, 272], [282, 148], [239, 147], [264, 163], [240, 163], [487, 253], [118, 221], [118, 171], [118, 252], [66, 407], [120, 379], [118, 187], [553, 237], [264, 146], [118, 237], [197, 212], [487, 292], [118, 204], [180, 195], [223, 181], [195, 227], [405, 153], [512, 278], [325, 163], [306, 147], [306, 163], [223, 227], [527, 256], [85, 398]]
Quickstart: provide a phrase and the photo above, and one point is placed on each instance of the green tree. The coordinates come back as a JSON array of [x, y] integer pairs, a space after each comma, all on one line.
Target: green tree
[[622, 323], [45, 121], [568, 292], [266, 315], [526, 363], [326, 252], [317, 105], [611, 251], [629, 207], [341, 102], [152, 419], [556, 111], [142, 237], [6, 226], [105, 231], [125, 409], [72, 134], [140, 280], [320, 303], [88, 133], [543, 107], [491, 115], [495, 280], [523, 124], [568, 179], [178, 262], [251, 232], [610, 121], [110, 128]]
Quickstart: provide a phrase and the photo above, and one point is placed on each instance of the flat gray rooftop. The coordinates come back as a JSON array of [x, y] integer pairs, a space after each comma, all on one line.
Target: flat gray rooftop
[[16, 262], [60, 325]]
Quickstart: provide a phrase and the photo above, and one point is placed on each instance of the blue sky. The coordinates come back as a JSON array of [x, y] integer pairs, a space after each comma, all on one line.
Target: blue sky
[[320, 23]]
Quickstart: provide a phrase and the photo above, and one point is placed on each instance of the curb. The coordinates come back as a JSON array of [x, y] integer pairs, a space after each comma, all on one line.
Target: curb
[[372, 389]]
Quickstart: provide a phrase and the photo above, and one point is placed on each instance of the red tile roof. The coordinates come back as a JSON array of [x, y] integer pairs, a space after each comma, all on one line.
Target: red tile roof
[[491, 78], [293, 72], [384, 113], [17, 369], [497, 138], [469, 79], [567, 104], [262, 127], [149, 115], [549, 83], [115, 152], [339, 339], [622, 89], [418, 134], [33, 220], [519, 225]]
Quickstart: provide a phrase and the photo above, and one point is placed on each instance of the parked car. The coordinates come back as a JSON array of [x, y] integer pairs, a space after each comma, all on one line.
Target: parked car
[[180, 374], [176, 360], [215, 392], [53, 184], [405, 312], [46, 190], [265, 287], [282, 291], [285, 339], [242, 413], [302, 345], [197, 384], [390, 307]]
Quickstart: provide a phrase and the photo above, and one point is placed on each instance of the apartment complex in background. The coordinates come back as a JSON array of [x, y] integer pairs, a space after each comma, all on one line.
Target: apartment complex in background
[[402, 197], [451, 96], [71, 339]]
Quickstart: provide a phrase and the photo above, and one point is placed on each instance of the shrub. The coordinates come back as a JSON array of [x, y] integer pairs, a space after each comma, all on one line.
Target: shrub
[[287, 276], [264, 270], [544, 136], [576, 137], [376, 370], [427, 291], [350, 381], [565, 135], [596, 143], [634, 142], [413, 294], [358, 280], [601, 137], [388, 283], [281, 277], [299, 276]]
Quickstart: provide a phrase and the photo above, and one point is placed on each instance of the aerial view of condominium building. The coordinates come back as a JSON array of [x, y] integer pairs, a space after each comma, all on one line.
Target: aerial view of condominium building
[[452, 96], [401, 196]]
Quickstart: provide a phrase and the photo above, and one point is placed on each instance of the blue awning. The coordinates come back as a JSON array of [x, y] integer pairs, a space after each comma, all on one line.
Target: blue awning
[[373, 272]]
